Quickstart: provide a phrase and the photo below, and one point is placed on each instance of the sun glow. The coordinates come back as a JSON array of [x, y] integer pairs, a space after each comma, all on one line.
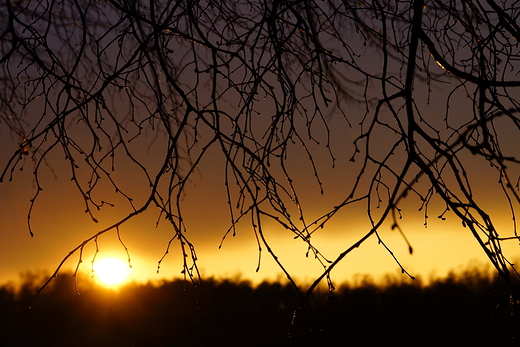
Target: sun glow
[[111, 271]]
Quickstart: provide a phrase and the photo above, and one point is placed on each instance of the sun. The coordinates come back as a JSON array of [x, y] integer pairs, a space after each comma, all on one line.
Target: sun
[[111, 271]]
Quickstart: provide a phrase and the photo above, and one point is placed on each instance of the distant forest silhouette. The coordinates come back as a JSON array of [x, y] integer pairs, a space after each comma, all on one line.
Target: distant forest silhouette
[[465, 308]]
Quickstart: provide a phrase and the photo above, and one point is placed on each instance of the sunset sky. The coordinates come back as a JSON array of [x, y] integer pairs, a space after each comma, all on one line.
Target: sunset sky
[[60, 224], [138, 94]]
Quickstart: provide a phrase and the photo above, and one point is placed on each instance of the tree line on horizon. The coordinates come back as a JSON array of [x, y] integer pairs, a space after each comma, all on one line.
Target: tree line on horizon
[[471, 307]]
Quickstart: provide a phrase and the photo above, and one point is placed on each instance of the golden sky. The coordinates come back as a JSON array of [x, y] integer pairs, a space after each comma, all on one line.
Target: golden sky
[[60, 224]]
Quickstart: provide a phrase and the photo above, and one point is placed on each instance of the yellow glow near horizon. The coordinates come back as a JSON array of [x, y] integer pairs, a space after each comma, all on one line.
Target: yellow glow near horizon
[[110, 271]]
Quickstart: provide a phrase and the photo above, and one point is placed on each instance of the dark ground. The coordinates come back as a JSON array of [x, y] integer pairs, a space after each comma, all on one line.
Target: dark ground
[[469, 309]]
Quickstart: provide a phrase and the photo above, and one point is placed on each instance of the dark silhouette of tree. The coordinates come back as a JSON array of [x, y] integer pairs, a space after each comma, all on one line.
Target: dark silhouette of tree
[[429, 88], [449, 311]]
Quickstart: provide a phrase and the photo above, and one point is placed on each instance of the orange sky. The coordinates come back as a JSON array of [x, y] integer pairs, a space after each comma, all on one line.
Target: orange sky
[[60, 225]]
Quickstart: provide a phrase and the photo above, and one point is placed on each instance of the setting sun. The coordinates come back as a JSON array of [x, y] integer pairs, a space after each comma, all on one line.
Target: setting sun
[[111, 271]]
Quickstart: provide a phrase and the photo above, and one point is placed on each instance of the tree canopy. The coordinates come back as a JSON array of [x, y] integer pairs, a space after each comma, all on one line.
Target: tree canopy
[[408, 99]]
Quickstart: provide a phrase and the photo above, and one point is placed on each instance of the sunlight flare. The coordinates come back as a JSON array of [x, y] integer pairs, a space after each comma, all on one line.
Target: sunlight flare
[[111, 271]]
